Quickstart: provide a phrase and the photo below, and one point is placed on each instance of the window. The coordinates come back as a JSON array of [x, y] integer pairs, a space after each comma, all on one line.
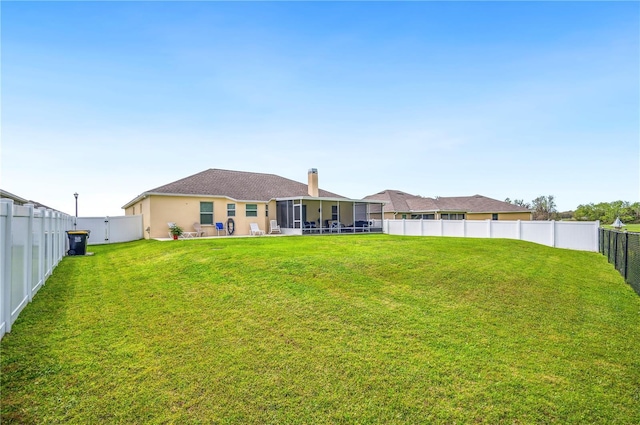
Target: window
[[423, 216], [252, 210], [452, 216], [231, 210], [266, 210], [404, 216], [206, 212], [334, 212], [494, 216]]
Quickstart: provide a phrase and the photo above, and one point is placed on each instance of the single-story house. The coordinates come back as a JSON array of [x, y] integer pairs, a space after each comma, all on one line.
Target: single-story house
[[17, 200], [234, 200], [401, 205]]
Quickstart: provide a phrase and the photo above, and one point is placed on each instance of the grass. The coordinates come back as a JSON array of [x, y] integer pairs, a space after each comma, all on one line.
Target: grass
[[627, 227], [342, 329]]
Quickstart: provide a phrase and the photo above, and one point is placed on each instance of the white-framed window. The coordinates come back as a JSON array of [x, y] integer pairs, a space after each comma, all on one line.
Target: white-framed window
[[252, 210], [206, 212], [231, 210]]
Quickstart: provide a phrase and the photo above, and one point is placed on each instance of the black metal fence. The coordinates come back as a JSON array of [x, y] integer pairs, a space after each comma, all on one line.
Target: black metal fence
[[622, 249]]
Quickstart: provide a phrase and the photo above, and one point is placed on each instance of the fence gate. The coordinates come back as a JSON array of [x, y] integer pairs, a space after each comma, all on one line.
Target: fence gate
[[112, 229]]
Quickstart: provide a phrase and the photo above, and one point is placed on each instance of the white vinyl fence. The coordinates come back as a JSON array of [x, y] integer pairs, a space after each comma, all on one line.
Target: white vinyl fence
[[33, 241], [579, 235], [111, 229]]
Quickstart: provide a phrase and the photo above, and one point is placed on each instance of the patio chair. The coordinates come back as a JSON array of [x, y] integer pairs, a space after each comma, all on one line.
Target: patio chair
[[336, 227], [274, 227], [199, 231], [219, 227], [255, 230]]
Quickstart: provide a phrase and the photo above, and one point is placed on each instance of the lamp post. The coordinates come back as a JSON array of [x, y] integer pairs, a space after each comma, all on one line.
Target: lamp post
[[75, 223]]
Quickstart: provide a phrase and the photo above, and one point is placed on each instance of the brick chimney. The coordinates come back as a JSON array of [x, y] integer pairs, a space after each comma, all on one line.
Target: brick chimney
[[313, 182]]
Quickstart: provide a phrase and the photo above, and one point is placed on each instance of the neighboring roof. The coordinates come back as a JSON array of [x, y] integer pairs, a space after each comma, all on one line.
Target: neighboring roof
[[238, 185], [17, 200], [398, 201], [477, 204]]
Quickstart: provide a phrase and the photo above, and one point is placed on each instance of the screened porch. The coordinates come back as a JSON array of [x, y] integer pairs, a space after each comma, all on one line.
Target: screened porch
[[316, 216]]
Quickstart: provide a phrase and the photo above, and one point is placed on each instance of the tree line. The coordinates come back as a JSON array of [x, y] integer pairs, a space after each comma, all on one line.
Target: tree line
[[544, 208], [607, 212]]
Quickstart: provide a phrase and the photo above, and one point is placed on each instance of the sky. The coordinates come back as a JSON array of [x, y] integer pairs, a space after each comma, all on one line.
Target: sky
[[503, 99]]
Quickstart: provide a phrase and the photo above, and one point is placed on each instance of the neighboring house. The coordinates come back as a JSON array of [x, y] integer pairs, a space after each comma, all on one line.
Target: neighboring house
[[401, 205], [17, 200], [239, 198]]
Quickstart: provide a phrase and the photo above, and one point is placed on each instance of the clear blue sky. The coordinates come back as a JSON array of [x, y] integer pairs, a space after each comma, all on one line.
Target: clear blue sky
[[503, 99]]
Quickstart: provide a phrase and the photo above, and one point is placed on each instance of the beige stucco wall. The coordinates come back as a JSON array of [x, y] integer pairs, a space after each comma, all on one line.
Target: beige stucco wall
[[157, 211], [141, 207], [501, 216]]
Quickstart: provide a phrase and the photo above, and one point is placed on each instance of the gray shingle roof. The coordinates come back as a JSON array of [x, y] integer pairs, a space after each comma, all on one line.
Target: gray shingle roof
[[399, 201], [239, 185]]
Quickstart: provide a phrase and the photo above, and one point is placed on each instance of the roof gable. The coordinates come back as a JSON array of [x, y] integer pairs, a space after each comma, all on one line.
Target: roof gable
[[239, 185]]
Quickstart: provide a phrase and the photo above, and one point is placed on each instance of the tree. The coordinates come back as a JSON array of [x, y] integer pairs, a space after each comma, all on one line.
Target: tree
[[519, 202], [607, 212], [544, 207]]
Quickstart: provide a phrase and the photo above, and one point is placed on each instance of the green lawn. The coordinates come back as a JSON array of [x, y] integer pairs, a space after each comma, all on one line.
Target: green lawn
[[327, 329]]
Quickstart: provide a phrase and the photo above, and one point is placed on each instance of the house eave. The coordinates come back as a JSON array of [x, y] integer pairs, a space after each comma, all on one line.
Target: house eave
[[191, 195], [329, 199]]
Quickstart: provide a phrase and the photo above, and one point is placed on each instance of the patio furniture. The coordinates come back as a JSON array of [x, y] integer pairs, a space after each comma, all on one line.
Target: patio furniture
[[183, 235], [255, 230], [220, 227], [361, 226], [336, 227], [274, 227], [199, 231]]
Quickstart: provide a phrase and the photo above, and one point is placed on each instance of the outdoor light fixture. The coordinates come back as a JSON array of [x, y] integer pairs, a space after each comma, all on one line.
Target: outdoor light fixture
[[75, 224]]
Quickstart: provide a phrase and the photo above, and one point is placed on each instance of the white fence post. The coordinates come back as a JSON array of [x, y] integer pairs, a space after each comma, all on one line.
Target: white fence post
[[519, 230], [48, 244], [553, 233], [41, 248], [6, 266], [28, 282]]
